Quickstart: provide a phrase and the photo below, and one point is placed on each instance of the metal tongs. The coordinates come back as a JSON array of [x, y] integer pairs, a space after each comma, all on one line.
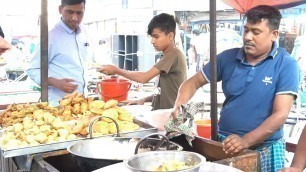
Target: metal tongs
[[161, 141]]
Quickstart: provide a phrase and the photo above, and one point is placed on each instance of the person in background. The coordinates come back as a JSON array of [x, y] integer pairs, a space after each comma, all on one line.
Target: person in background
[[298, 163], [4, 45], [298, 53], [67, 54], [260, 83], [178, 39], [198, 44], [195, 42], [171, 69]]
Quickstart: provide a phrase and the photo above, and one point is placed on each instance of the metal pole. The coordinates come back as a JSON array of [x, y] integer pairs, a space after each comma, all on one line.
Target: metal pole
[[44, 50], [213, 70], [185, 42], [185, 37]]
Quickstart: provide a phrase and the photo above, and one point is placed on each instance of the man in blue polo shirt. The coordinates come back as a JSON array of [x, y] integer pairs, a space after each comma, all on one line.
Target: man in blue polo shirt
[[260, 82]]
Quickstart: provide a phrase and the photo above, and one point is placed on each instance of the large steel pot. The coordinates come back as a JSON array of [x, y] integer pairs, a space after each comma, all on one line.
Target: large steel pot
[[96, 153], [93, 154]]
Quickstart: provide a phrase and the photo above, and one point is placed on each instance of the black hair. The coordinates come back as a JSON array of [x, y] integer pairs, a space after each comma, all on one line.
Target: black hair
[[1, 32], [72, 2], [165, 22], [272, 14]]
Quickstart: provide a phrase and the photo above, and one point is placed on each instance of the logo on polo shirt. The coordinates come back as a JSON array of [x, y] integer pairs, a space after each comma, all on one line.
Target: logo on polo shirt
[[267, 80]]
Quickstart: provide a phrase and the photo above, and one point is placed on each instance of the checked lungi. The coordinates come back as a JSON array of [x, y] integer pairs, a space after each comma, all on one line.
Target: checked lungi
[[272, 154]]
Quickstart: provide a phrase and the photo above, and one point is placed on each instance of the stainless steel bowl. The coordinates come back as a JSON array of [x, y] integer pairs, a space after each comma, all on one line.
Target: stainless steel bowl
[[148, 161]]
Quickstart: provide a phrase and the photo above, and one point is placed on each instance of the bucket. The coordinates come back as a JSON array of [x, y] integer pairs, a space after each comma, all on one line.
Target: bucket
[[114, 88], [204, 128]]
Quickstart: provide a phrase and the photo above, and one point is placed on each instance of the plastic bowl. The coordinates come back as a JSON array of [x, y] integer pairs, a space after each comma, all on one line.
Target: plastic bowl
[[204, 128]]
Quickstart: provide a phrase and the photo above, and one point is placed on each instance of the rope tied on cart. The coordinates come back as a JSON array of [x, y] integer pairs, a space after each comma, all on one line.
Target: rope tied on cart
[[185, 121]]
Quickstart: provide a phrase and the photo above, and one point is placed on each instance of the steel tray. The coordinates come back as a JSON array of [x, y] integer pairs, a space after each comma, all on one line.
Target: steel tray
[[144, 130]]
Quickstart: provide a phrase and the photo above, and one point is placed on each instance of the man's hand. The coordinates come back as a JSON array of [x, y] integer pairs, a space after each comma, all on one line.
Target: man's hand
[[234, 144], [108, 69], [65, 84], [175, 115], [175, 112], [291, 169]]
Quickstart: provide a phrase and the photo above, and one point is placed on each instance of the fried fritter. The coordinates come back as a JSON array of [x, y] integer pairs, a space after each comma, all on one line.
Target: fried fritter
[[100, 127], [126, 117], [112, 113], [99, 104], [110, 104]]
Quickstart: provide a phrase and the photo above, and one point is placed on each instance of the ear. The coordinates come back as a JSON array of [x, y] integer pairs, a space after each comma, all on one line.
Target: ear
[[60, 9], [275, 34], [171, 35]]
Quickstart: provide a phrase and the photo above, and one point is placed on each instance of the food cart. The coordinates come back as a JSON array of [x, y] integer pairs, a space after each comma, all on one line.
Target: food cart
[[46, 156]]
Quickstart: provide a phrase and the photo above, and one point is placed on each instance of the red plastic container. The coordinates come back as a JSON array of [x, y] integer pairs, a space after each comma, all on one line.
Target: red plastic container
[[204, 128], [114, 88]]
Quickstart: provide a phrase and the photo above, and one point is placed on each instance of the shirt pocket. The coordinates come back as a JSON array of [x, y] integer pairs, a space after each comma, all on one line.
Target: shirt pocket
[[84, 50]]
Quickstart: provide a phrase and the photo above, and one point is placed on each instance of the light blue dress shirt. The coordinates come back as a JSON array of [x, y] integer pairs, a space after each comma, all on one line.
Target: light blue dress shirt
[[67, 54]]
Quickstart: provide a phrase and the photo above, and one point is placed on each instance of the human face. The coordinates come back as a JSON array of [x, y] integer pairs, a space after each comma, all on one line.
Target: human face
[[72, 15], [258, 39], [162, 41]]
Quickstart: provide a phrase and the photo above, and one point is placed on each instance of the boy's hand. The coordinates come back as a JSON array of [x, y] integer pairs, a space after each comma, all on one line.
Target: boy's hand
[[107, 69], [136, 102]]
